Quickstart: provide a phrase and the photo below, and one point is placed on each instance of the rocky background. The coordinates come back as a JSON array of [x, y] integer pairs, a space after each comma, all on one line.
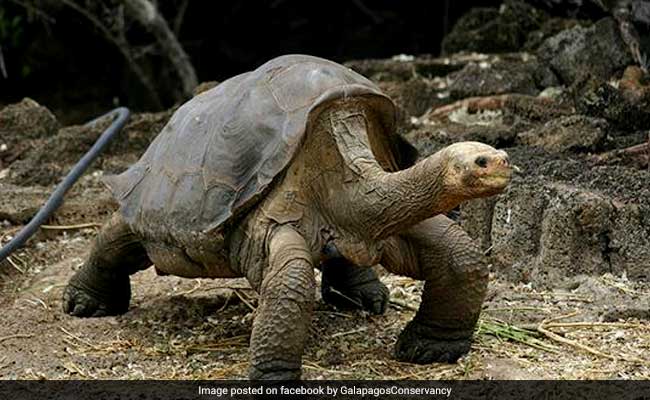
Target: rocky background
[[567, 94]]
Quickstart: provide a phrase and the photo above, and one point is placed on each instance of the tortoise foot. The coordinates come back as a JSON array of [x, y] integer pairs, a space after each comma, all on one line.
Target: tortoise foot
[[111, 297], [370, 296], [275, 371], [417, 345], [347, 286]]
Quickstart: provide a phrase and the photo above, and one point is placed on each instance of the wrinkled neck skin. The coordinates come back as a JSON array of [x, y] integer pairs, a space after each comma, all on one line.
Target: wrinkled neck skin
[[378, 204], [387, 203], [342, 198]]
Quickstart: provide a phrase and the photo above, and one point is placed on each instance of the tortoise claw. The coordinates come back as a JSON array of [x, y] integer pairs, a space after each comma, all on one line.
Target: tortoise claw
[[93, 294], [81, 303], [415, 345]]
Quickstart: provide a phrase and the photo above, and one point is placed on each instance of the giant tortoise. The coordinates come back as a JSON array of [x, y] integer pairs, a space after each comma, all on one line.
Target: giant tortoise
[[279, 170]]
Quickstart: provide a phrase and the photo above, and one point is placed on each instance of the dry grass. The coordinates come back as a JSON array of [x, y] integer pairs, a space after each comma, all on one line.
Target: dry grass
[[200, 329]]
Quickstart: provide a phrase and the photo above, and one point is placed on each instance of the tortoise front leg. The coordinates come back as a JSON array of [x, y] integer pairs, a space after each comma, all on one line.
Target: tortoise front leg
[[101, 286], [439, 252], [281, 326]]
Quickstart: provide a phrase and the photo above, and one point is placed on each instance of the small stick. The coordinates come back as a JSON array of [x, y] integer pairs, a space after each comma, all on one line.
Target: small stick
[[13, 264], [319, 368], [561, 317], [619, 286], [593, 324], [225, 303], [551, 335], [194, 289], [71, 227], [403, 304], [224, 344], [72, 367], [4, 363], [486, 251], [339, 334], [241, 297], [231, 287], [16, 336], [516, 309], [72, 335], [348, 298], [340, 314], [37, 301], [10, 231], [22, 262], [571, 343], [568, 296], [636, 149], [472, 104]]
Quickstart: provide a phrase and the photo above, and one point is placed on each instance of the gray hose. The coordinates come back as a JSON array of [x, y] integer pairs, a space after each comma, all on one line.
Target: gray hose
[[56, 199]]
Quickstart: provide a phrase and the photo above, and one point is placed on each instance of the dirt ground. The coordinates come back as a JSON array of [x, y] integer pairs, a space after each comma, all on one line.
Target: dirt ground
[[199, 329], [575, 326], [568, 243]]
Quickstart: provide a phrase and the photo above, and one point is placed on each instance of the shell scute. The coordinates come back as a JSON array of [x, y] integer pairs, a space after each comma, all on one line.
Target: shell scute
[[222, 149]]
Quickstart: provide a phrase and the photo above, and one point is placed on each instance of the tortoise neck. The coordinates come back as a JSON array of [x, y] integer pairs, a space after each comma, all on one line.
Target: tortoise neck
[[379, 204], [404, 198]]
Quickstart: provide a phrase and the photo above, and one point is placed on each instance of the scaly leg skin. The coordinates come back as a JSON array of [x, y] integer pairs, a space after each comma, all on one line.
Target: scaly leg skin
[[439, 252], [281, 326], [347, 286], [101, 287]]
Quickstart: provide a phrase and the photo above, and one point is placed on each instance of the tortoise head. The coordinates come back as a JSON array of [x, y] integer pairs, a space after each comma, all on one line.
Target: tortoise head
[[477, 169]]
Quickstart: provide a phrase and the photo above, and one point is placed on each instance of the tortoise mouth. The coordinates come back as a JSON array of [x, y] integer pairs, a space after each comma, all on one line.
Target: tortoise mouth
[[496, 178]]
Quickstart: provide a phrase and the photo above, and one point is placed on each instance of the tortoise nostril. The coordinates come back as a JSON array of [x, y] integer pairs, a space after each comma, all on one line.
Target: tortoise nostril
[[481, 161]]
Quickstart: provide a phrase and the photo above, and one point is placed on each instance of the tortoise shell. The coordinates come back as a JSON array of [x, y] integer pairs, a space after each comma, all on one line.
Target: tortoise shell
[[223, 148]]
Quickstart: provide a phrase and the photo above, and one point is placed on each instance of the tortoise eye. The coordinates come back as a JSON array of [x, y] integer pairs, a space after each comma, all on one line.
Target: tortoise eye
[[481, 161]]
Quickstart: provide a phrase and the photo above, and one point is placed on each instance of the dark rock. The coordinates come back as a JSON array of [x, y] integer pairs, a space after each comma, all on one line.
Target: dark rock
[[50, 161], [595, 9], [547, 231], [550, 27], [628, 241], [576, 133], [523, 113], [26, 120], [583, 8], [414, 96], [484, 79], [404, 68], [430, 138], [565, 217], [19, 204], [21, 126], [383, 69], [598, 51], [491, 30], [598, 98], [476, 219]]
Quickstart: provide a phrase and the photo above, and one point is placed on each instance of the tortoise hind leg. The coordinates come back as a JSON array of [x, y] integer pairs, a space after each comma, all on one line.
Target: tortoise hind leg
[[439, 252], [346, 285], [101, 287], [281, 326]]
